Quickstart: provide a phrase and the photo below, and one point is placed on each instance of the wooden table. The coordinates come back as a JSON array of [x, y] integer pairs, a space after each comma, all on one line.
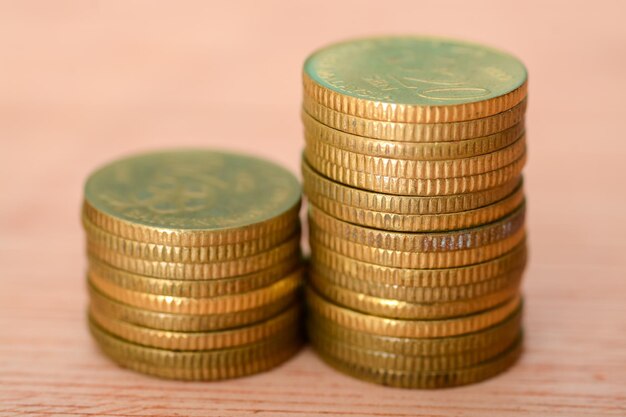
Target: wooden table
[[85, 82]]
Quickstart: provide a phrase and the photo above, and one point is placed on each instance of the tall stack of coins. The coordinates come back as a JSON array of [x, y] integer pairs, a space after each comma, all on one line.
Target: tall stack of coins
[[194, 263], [413, 160]]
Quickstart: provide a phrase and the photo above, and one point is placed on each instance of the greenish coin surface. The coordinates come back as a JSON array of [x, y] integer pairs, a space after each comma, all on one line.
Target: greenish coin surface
[[419, 71], [193, 189]]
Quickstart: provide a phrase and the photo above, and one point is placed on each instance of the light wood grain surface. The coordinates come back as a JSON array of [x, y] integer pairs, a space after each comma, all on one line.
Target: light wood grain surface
[[83, 82]]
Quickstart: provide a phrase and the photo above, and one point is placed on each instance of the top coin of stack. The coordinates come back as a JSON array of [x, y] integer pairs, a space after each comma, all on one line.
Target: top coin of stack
[[412, 167], [194, 263]]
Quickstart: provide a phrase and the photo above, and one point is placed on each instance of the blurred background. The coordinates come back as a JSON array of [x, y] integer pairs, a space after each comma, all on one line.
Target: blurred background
[[85, 82]]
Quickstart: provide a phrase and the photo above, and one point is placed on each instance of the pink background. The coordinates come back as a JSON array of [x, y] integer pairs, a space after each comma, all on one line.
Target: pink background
[[83, 82]]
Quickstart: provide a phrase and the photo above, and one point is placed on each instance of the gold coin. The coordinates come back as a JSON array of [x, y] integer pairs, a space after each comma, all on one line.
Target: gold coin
[[187, 322], [198, 365], [419, 242], [374, 274], [418, 186], [184, 254], [435, 379], [200, 306], [178, 270], [419, 295], [500, 334], [412, 168], [398, 309], [192, 288], [244, 240], [415, 132], [316, 184], [419, 222], [409, 328], [414, 79], [178, 254], [192, 198], [316, 131], [417, 260], [286, 321], [358, 355]]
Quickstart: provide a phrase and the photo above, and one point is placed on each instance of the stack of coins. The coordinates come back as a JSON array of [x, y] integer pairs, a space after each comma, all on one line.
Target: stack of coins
[[412, 168], [194, 263]]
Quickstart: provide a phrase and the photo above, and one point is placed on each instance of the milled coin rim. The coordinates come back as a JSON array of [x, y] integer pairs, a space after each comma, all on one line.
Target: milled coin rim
[[431, 151], [346, 195], [416, 168], [415, 132], [418, 186], [410, 328]]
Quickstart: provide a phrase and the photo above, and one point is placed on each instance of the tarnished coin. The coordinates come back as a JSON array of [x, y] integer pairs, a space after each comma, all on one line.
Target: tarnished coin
[[416, 260], [316, 184], [376, 274], [201, 306], [198, 365], [418, 186], [399, 309], [286, 321], [358, 355], [192, 198], [414, 79], [433, 379], [187, 322], [191, 288], [497, 336], [419, 242], [409, 328]]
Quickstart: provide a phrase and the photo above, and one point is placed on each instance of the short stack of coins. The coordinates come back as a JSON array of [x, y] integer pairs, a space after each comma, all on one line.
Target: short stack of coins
[[194, 263], [412, 170]]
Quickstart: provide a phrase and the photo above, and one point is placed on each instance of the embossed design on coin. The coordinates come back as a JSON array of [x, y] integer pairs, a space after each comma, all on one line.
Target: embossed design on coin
[[415, 71]]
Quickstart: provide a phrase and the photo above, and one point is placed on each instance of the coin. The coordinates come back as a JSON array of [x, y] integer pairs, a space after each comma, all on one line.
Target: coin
[[419, 242], [200, 306], [316, 131], [420, 295], [399, 309], [409, 328], [435, 379], [499, 335], [286, 321], [198, 365], [358, 355], [187, 322], [316, 184], [413, 168], [192, 198], [418, 222], [416, 260], [419, 278], [185, 255], [191, 288], [413, 132], [414, 79], [193, 271], [418, 186]]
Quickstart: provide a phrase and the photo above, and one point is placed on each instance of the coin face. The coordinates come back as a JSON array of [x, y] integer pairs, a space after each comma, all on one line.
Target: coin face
[[417, 71], [193, 189]]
